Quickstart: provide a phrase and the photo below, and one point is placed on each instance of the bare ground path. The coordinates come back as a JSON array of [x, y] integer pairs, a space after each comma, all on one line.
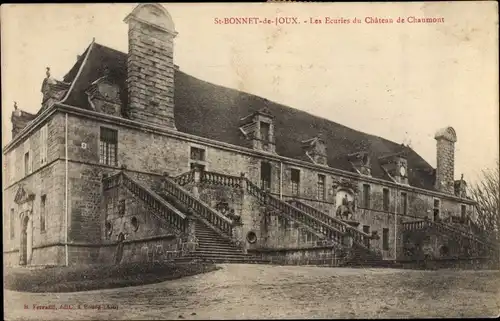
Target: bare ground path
[[240, 291]]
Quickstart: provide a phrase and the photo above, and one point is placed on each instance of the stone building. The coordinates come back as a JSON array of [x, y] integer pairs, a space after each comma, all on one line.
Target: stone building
[[129, 158]]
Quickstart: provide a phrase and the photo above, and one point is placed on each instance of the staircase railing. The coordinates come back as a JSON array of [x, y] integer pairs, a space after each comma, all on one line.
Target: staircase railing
[[415, 225], [220, 179], [468, 235], [326, 225], [265, 198], [358, 236], [216, 219], [172, 216], [184, 178]]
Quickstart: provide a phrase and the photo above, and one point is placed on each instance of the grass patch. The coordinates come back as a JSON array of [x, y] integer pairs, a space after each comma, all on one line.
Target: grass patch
[[95, 277]]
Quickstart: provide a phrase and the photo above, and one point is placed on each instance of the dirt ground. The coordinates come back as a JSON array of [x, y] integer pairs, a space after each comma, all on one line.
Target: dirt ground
[[241, 291]]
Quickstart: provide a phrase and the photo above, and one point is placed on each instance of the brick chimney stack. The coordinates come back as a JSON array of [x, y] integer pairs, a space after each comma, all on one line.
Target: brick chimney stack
[[150, 65], [445, 171]]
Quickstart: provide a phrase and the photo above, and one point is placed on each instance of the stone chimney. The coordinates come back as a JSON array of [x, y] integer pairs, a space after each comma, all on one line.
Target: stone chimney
[[445, 171], [150, 65]]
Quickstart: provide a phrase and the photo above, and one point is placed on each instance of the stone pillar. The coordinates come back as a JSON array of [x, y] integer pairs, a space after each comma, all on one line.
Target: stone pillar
[[191, 243], [238, 237], [348, 240], [197, 180], [243, 182]]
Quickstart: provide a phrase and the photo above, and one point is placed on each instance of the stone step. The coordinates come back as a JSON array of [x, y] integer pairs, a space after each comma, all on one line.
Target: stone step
[[207, 240], [219, 248], [204, 237], [229, 260], [208, 252], [210, 241], [218, 255]]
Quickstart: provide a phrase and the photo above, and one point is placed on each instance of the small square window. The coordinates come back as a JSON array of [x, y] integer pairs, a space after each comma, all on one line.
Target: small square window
[[197, 154]]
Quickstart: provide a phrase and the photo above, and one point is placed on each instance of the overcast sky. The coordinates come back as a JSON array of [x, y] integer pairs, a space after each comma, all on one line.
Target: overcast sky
[[398, 81]]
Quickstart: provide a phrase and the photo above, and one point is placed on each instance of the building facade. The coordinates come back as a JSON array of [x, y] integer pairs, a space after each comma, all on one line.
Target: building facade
[[129, 158]]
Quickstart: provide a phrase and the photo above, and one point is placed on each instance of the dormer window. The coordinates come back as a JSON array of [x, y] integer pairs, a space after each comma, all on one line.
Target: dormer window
[[361, 162], [258, 129], [396, 166], [264, 131], [315, 150]]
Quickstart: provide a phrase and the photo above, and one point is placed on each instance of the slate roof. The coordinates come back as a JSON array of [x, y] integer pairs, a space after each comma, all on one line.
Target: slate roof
[[212, 111]]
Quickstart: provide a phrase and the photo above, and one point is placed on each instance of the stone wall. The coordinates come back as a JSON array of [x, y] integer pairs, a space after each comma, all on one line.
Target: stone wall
[[49, 181], [322, 256], [145, 151]]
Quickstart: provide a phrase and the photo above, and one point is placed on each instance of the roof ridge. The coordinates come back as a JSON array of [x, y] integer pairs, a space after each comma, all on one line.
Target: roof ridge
[[89, 49]]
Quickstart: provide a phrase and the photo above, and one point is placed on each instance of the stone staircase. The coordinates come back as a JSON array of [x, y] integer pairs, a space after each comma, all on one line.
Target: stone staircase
[[212, 247]]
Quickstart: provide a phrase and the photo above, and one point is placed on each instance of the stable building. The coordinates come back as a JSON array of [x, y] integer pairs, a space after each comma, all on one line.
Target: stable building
[[131, 159]]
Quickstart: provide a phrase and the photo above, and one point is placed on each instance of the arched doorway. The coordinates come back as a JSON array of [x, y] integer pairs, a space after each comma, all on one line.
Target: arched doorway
[[23, 259], [119, 249]]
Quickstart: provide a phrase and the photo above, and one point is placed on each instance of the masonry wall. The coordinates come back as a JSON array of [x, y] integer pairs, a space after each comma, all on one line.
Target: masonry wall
[[44, 179], [149, 152]]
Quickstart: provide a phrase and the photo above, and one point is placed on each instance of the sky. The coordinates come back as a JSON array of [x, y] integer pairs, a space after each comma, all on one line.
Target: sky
[[400, 81]]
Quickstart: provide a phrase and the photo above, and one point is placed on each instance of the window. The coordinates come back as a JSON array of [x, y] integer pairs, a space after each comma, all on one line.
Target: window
[[366, 196], [42, 213], [197, 154], [321, 187], [121, 208], [265, 131], [386, 199], [265, 175], [28, 159], [295, 177], [13, 166], [366, 229], [12, 223], [108, 146], [437, 206], [198, 157], [404, 204], [27, 163], [385, 239], [200, 167], [43, 145], [463, 210]]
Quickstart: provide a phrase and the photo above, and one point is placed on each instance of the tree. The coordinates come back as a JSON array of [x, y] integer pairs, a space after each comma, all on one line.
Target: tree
[[486, 192]]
